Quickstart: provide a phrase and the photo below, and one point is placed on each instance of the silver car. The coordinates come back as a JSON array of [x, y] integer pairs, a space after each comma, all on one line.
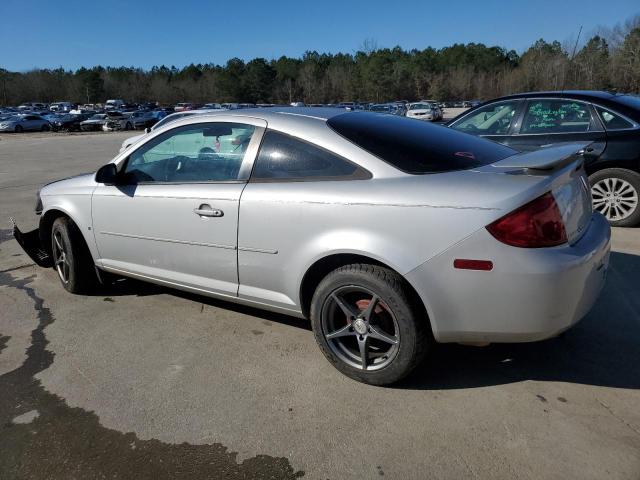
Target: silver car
[[422, 111], [386, 233], [23, 123]]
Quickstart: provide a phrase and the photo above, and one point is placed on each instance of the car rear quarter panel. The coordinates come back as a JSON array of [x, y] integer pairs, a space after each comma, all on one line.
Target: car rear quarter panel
[[622, 151], [284, 228]]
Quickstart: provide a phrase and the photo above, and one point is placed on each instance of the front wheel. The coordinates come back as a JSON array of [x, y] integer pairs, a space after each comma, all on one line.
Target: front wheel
[[71, 257], [366, 324], [19, 129], [615, 193]]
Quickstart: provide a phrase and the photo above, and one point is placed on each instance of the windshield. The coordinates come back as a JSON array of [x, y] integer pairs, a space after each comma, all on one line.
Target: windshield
[[419, 106], [417, 147], [98, 117], [170, 119]]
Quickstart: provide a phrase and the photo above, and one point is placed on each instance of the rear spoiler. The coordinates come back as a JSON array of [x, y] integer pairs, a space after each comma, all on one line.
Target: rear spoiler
[[546, 158]]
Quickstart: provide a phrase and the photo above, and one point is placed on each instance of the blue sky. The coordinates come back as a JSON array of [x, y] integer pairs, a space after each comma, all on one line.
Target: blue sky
[[73, 33]]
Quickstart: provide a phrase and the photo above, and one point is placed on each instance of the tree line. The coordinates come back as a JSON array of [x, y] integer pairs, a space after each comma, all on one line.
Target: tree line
[[607, 60]]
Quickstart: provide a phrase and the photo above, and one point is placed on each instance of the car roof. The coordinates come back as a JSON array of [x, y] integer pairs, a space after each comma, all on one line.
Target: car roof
[[297, 121], [279, 114]]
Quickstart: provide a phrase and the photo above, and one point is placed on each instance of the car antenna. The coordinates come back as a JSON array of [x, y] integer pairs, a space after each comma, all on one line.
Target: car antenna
[[573, 54]]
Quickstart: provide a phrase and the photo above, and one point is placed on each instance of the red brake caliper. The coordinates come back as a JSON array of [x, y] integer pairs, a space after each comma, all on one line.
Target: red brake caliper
[[364, 303]]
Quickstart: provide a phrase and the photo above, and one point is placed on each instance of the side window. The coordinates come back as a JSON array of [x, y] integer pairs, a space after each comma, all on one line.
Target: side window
[[283, 157], [204, 152], [492, 119], [613, 121], [556, 116]]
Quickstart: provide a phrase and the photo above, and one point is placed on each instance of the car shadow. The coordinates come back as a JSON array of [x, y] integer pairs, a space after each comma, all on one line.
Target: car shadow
[[132, 287], [603, 349]]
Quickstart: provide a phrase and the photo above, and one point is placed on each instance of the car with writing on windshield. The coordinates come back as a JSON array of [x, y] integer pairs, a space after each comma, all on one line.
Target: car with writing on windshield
[[609, 122], [388, 234]]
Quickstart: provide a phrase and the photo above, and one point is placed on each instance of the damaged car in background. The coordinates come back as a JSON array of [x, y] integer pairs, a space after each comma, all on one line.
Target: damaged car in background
[[388, 234], [117, 121], [94, 122], [69, 122]]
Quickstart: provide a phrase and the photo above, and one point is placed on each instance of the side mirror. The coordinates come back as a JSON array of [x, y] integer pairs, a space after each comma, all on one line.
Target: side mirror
[[147, 130], [107, 174]]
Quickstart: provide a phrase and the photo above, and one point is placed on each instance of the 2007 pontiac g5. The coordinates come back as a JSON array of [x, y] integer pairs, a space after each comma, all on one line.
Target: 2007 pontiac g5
[[389, 234]]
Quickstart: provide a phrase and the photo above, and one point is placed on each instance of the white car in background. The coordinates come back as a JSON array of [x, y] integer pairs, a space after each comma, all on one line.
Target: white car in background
[[439, 114], [422, 111]]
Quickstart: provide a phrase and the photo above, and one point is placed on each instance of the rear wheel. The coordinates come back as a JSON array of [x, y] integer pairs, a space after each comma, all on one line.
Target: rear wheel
[[616, 193], [71, 257], [44, 128], [19, 129], [366, 325], [127, 126]]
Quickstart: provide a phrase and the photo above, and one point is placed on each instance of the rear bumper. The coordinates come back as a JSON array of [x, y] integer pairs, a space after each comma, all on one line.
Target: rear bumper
[[530, 295]]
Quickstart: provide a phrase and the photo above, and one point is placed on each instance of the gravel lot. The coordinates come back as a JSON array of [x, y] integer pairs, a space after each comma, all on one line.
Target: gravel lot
[[139, 381]]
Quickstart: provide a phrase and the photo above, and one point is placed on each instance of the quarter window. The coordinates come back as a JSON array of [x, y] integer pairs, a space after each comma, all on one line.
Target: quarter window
[[556, 116], [493, 119], [613, 121], [205, 152], [283, 157]]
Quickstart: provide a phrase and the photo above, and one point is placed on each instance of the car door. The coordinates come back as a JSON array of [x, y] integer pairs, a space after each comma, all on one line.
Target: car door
[[548, 121], [494, 121], [275, 229], [29, 122], [173, 213]]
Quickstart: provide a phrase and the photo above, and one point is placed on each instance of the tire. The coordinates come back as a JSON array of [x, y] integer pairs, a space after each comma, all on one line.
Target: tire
[[127, 126], [76, 267], [395, 317], [616, 194], [18, 129], [45, 128]]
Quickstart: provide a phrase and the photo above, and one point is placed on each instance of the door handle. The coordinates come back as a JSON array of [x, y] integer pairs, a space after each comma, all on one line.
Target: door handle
[[205, 210]]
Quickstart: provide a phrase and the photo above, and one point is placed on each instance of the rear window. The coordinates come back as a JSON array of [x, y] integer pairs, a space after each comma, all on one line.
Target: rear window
[[417, 147]]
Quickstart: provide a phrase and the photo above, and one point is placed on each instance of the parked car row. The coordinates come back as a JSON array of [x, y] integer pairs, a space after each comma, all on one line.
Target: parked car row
[[79, 120]]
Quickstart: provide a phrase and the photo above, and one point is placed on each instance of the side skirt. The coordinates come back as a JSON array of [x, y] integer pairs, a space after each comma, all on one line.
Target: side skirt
[[206, 293]]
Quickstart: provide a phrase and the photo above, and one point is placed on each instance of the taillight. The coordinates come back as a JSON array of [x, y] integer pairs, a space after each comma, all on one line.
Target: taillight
[[534, 225]]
